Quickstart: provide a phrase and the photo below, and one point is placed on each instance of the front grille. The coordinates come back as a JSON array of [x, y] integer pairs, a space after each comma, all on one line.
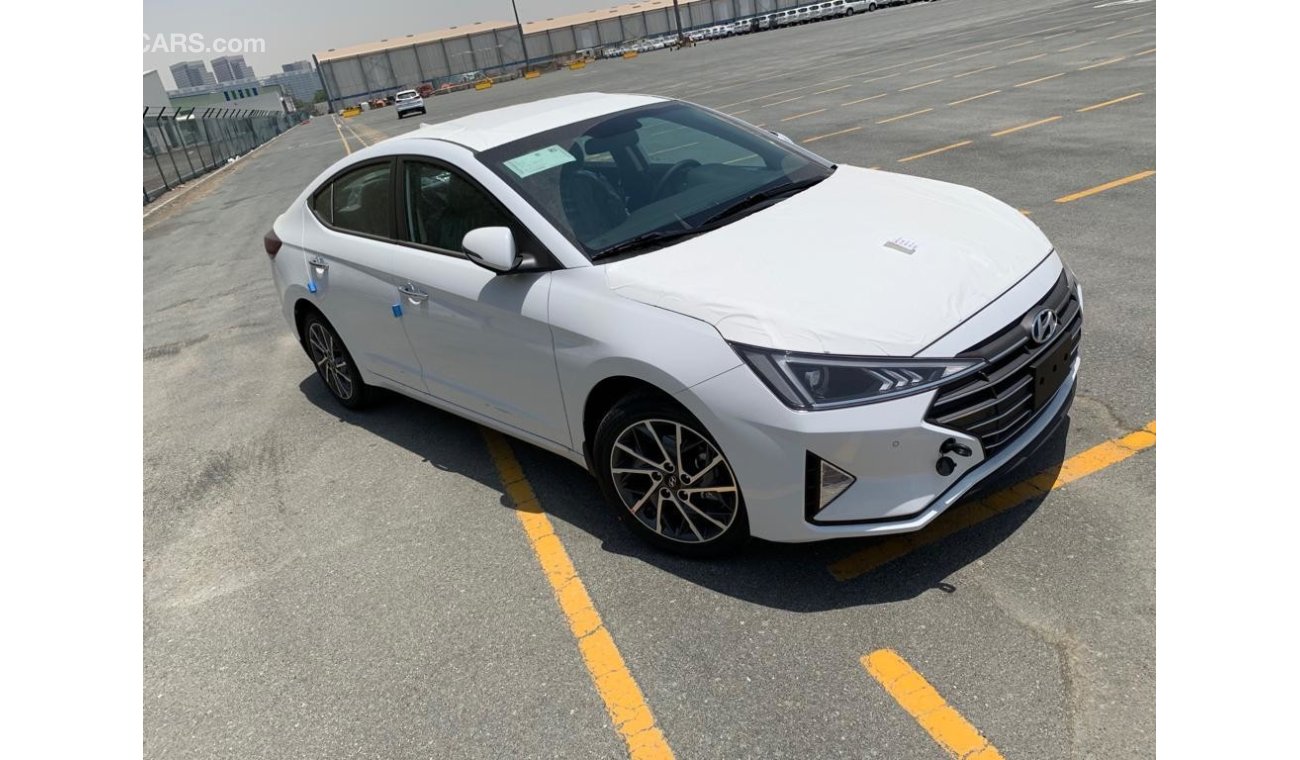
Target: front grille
[[997, 403]]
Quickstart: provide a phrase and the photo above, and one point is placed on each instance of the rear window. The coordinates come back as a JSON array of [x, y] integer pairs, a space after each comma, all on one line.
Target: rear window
[[407, 95]]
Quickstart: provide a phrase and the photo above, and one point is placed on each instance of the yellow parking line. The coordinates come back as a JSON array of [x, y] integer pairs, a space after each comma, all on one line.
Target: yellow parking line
[[936, 150], [915, 695], [1040, 79], [1048, 29], [919, 86], [364, 144], [1105, 187], [1127, 34], [863, 100], [1030, 58], [737, 113], [806, 113], [974, 97], [976, 71], [1048, 120], [779, 102], [1108, 23], [972, 55], [622, 696], [1058, 34], [1095, 106], [904, 116], [1144, 52], [877, 79], [346, 147], [832, 134], [673, 148], [1076, 47], [1103, 63], [1080, 465], [938, 63], [833, 89], [1018, 44]]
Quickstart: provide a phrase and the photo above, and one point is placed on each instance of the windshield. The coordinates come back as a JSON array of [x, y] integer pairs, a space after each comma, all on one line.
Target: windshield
[[650, 173]]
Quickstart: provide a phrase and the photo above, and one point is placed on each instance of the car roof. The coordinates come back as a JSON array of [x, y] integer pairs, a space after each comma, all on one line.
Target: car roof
[[488, 129]]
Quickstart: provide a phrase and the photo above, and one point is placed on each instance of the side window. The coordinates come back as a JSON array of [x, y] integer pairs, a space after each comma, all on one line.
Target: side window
[[321, 204], [362, 201], [441, 206]]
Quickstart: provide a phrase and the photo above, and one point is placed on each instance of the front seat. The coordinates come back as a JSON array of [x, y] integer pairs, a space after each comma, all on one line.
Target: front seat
[[591, 203]]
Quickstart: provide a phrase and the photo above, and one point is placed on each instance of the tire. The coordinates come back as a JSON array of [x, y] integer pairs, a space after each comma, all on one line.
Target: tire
[[849, 12], [688, 504], [334, 363], [871, 7]]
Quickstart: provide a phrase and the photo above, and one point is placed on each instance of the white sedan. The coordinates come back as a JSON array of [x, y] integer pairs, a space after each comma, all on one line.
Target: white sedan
[[734, 335]]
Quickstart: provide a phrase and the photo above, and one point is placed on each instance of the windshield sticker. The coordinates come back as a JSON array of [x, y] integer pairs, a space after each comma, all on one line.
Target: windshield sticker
[[539, 161]]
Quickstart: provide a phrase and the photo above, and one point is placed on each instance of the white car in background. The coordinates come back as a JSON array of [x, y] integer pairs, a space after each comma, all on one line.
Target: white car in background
[[407, 102], [630, 282]]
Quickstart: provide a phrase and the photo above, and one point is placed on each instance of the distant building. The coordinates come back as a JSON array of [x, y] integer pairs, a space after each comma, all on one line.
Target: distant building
[[289, 68], [231, 68], [155, 95], [234, 95], [191, 74], [301, 85]]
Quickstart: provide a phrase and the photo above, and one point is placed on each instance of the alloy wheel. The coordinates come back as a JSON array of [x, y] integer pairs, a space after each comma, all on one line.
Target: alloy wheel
[[674, 481], [331, 362]]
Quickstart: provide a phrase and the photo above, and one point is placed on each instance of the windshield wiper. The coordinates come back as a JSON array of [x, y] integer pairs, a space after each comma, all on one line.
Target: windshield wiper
[[762, 196], [657, 237], [646, 240]]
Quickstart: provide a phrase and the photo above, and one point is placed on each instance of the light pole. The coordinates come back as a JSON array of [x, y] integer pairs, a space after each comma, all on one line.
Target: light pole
[[677, 11], [523, 43]]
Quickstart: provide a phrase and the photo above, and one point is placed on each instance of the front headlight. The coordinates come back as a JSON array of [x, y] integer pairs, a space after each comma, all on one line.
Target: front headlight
[[823, 381]]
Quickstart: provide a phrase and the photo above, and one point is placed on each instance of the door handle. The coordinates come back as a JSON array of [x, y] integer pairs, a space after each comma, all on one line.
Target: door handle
[[320, 263], [410, 291]]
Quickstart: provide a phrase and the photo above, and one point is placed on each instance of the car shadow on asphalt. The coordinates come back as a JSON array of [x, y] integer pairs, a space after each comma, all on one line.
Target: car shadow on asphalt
[[792, 577]]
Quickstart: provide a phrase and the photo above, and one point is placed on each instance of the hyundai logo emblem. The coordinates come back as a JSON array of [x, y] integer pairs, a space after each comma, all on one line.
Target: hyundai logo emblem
[[1044, 326]]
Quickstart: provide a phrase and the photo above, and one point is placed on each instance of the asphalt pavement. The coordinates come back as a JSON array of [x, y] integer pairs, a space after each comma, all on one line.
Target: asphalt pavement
[[321, 583]]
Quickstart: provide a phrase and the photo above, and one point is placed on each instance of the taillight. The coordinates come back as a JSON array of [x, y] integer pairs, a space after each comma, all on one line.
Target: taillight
[[272, 243]]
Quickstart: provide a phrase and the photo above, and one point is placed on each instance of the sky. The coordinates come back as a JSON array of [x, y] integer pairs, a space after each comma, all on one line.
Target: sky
[[291, 30]]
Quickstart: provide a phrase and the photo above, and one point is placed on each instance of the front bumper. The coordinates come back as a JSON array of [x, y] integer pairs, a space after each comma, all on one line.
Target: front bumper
[[890, 448]]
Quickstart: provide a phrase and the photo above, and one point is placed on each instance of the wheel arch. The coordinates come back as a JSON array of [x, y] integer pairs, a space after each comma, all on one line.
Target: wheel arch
[[605, 394], [301, 308]]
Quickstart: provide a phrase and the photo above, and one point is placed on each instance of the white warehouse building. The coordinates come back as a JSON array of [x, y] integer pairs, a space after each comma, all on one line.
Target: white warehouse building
[[360, 72]]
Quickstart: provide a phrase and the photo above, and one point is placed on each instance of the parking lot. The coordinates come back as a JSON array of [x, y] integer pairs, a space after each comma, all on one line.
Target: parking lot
[[322, 583]]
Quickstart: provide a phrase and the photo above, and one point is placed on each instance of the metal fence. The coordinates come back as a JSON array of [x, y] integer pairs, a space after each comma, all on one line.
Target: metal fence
[[183, 143]]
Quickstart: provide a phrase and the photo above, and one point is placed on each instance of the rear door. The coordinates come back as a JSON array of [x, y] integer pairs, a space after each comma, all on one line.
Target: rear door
[[348, 252]]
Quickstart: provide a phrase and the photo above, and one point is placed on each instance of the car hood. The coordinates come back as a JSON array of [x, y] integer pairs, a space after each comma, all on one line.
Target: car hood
[[864, 263]]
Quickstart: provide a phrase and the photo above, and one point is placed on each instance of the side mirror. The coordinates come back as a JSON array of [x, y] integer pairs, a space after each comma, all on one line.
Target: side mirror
[[491, 248]]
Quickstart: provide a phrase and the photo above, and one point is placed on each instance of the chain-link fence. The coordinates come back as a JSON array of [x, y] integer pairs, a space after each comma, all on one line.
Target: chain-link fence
[[183, 143]]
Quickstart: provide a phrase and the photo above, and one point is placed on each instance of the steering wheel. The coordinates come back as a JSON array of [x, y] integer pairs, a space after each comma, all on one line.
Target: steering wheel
[[675, 172]]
